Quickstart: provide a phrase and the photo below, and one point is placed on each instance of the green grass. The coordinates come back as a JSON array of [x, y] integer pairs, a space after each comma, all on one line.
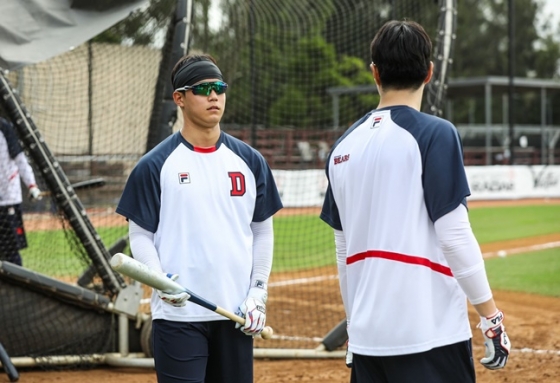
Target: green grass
[[537, 272], [306, 242], [302, 242], [494, 224], [50, 253]]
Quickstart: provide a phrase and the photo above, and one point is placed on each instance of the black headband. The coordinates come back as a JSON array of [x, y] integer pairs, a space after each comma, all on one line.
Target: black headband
[[192, 73]]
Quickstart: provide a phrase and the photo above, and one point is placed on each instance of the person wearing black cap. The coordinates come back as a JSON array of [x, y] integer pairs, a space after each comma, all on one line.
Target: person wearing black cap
[[200, 207]]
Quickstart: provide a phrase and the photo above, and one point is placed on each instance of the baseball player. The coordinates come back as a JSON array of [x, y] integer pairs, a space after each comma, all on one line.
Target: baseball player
[[13, 169], [406, 254], [200, 207]]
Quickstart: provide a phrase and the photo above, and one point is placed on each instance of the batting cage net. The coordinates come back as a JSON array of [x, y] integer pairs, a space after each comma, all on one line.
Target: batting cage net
[[298, 75]]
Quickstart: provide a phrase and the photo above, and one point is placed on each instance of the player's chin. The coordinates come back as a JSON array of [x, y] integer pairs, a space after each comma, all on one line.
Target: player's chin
[[214, 113]]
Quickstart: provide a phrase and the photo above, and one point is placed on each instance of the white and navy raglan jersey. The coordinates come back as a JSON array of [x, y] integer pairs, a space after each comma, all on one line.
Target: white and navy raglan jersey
[[391, 176], [199, 203], [13, 166]]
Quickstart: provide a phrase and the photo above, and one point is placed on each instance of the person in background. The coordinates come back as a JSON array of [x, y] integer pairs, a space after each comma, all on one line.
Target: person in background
[[200, 207], [14, 168], [406, 254]]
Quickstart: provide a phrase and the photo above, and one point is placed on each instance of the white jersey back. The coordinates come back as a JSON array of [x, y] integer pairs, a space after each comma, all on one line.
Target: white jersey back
[[391, 176], [200, 204]]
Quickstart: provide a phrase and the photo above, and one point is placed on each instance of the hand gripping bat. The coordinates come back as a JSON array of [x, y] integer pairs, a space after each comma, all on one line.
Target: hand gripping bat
[[140, 272]]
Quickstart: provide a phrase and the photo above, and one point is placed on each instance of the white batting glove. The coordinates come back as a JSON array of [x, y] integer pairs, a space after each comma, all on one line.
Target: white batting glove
[[496, 341], [174, 299], [253, 309], [349, 356], [34, 193]]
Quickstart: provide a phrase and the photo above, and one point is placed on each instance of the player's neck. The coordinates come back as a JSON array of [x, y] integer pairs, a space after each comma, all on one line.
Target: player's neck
[[201, 137], [407, 97]]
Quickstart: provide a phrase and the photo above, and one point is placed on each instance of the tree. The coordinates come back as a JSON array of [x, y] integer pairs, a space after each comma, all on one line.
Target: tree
[[292, 64]]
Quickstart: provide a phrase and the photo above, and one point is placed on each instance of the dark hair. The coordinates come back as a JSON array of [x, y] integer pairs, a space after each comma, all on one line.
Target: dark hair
[[191, 58], [401, 51]]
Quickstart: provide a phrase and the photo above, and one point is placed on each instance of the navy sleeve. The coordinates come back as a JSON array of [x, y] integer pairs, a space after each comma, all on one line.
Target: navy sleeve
[[14, 147], [141, 197], [329, 213], [268, 200], [444, 178]]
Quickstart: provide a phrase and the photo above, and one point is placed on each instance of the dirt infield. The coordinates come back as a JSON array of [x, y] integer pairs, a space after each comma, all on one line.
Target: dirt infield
[[533, 324]]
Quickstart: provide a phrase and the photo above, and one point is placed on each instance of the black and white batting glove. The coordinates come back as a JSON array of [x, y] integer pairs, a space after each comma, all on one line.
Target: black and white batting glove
[[34, 193], [349, 357], [174, 299], [496, 341], [253, 309]]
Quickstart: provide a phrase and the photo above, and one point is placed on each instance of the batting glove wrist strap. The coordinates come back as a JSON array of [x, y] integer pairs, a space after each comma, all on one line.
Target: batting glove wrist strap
[[496, 341], [258, 291], [174, 299]]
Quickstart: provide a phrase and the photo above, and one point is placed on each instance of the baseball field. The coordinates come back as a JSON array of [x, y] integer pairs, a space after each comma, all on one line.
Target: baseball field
[[521, 243]]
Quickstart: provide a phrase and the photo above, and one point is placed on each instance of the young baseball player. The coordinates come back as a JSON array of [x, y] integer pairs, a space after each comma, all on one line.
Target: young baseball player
[[14, 168], [200, 206], [406, 254]]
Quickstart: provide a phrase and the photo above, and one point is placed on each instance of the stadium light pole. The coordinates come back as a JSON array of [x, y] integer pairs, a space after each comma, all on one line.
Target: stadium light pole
[[511, 87]]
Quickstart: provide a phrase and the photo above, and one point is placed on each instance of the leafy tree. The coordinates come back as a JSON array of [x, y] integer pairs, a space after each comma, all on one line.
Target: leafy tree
[[302, 47], [292, 64]]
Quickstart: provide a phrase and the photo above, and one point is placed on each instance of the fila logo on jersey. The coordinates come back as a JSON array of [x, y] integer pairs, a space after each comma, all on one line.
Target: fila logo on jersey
[[341, 159], [184, 178], [376, 121]]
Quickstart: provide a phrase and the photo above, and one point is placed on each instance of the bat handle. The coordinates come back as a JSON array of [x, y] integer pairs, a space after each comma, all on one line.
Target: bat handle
[[266, 332]]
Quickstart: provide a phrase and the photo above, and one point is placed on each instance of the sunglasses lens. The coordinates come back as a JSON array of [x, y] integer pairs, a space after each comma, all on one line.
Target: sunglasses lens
[[220, 87], [206, 88]]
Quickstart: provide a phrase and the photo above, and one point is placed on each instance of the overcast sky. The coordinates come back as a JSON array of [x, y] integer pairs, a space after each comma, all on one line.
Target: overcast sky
[[552, 7]]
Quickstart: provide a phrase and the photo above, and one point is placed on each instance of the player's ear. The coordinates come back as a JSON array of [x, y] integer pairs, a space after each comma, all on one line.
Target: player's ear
[[179, 99], [430, 73], [375, 73]]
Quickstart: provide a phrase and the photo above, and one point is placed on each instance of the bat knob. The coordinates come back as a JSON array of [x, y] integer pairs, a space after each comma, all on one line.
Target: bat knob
[[267, 332]]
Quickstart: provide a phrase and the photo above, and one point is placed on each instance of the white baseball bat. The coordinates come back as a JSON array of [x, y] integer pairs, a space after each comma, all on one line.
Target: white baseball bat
[[140, 272]]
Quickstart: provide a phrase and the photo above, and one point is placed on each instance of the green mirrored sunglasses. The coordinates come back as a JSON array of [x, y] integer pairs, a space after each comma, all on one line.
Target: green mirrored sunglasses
[[205, 88]]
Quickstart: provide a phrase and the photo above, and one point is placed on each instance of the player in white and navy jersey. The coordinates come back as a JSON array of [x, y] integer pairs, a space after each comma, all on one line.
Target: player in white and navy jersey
[[200, 207], [14, 168], [406, 254]]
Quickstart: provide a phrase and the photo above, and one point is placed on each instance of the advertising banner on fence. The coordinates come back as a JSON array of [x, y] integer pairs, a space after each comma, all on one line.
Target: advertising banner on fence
[[306, 188], [513, 182]]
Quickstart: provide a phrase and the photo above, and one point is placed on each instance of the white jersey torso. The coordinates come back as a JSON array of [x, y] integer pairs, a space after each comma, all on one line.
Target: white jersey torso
[[391, 176], [200, 205]]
